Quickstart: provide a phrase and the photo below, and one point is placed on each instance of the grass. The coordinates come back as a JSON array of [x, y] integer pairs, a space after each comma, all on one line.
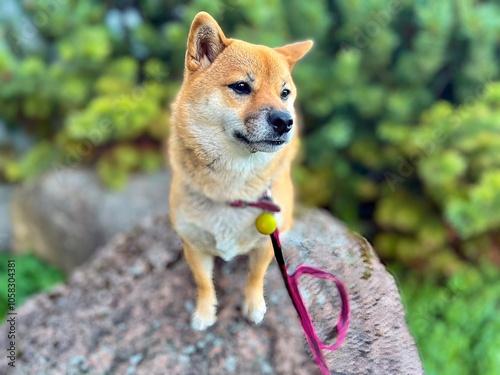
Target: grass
[[456, 321], [32, 276]]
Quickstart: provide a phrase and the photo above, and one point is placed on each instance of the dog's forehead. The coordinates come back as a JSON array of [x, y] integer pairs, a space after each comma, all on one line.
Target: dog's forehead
[[255, 60]]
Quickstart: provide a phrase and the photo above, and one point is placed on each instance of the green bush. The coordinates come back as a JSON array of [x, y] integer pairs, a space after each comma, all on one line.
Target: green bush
[[455, 325], [395, 72], [82, 93], [454, 155]]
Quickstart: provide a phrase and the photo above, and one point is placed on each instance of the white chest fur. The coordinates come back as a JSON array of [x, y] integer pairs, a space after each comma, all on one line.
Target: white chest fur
[[219, 229]]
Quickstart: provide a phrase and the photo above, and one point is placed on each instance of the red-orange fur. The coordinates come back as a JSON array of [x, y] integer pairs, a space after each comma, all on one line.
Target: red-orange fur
[[210, 169]]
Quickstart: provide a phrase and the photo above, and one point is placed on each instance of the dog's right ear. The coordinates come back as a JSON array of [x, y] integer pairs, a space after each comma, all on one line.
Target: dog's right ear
[[205, 42]]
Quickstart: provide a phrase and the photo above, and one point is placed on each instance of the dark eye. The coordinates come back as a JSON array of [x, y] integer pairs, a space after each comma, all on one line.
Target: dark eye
[[285, 94], [241, 88]]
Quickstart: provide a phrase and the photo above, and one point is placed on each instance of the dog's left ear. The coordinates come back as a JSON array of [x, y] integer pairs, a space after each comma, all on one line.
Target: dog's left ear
[[205, 42], [295, 51]]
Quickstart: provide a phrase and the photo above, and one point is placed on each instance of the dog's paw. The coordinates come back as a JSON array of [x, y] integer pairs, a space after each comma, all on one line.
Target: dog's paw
[[201, 322], [254, 311]]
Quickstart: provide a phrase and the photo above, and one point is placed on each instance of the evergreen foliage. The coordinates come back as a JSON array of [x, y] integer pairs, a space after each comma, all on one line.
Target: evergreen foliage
[[456, 325], [399, 105]]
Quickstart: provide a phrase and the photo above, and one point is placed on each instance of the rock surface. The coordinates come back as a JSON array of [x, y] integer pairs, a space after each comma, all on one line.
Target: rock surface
[[67, 214], [127, 311]]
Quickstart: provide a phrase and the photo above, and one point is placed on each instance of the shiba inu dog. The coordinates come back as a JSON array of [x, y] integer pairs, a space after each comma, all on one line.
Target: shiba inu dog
[[231, 139]]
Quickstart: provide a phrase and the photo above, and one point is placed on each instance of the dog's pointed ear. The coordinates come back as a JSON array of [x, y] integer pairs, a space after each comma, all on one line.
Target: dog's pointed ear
[[205, 42], [295, 51]]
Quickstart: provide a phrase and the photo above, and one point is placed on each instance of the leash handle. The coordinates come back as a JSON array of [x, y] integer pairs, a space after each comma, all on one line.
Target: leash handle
[[344, 318], [291, 283]]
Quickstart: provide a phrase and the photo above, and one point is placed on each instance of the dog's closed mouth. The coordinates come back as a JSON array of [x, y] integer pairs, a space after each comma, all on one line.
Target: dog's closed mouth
[[274, 143], [240, 137]]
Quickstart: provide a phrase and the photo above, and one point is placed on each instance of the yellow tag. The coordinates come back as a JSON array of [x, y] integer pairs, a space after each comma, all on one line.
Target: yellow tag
[[266, 223]]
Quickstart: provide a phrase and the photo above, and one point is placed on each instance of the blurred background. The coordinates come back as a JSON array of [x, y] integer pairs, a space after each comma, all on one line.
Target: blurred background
[[400, 103]]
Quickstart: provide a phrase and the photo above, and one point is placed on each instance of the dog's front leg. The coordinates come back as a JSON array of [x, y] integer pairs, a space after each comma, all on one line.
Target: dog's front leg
[[254, 307], [202, 265]]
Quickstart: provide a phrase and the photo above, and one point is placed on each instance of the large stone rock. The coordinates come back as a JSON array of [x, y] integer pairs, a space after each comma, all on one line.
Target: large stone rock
[[127, 311], [67, 214]]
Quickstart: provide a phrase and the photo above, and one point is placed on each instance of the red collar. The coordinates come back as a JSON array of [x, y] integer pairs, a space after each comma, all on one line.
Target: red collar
[[264, 203]]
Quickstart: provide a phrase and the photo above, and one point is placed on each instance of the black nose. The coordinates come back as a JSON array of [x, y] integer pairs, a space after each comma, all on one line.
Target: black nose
[[280, 121]]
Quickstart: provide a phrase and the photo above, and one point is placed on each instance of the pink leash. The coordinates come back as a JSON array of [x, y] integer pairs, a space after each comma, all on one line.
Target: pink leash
[[291, 283]]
